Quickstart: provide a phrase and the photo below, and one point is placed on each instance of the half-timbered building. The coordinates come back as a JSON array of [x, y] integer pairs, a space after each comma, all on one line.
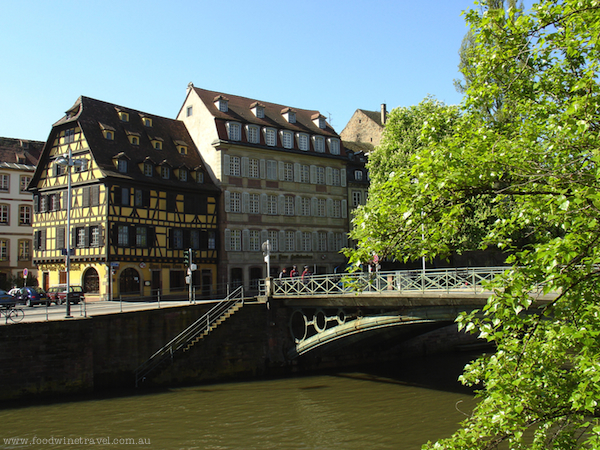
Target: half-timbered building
[[282, 171], [141, 197]]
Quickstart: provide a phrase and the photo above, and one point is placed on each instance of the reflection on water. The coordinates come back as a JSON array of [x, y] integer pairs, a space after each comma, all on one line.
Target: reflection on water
[[378, 408]]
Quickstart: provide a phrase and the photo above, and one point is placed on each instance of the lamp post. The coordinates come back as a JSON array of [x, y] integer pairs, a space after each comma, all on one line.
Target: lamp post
[[68, 162]]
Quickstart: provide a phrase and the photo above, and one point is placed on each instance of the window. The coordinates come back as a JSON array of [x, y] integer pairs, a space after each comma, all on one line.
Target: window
[[157, 144], [338, 242], [270, 137], [320, 175], [319, 143], [274, 240], [288, 205], [60, 238], [24, 215], [138, 198], [122, 166], [148, 169], [177, 238], [234, 131], [182, 149], [305, 206], [271, 170], [336, 179], [358, 175], [69, 135], [321, 241], [81, 166], [95, 236], [304, 173], [54, 202], [235, 202], [134, 140], [288, 172], [4, 182], [4, 209], [337, 209], [3, 250], [234, 166], [24, 182], [183, 175], [141, 237], [108, 135], [222, 104], [123, 116], [189, 111], [272, 204], [199, 177], [254, 244], [123, 236], [80, 237], [254, 204], [253, 168], [235, 240], [306, 241], [303, 142], [212, 240], [24, 250], [287, 139], [289, 241], [334, 146], [195, 239], [147, 121], [321, 207], [252, 132], [356, 198], [165, 172]]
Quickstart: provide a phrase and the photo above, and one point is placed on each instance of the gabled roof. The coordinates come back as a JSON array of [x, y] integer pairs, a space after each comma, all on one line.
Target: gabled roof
[[375, 116], [20, 154], [240, 110], [94, 116]]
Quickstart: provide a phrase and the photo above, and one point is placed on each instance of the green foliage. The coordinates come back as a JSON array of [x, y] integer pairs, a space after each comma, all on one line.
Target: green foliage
[[535, 164]]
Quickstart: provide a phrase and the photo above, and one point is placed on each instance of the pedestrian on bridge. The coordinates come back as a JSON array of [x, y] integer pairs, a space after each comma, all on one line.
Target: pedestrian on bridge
[[294, 272]]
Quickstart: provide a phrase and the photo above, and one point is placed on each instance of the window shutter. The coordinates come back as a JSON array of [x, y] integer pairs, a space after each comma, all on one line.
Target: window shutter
[[315, 241], [36, 203], [226, 161], [100, 235], [314, 207], [227, 240], [282, 240], [87, 236], [297, 172], [245, 240], [281, 170], [262, 168], [329, 207], [86, 197], [281, 205], [263, 203], [344, 209], [343, 176], [313, 174], [298, 205], [330, 241], [227, 201], [264, 235], [329, 176], [245, 166], [132, 242], [299, 242]]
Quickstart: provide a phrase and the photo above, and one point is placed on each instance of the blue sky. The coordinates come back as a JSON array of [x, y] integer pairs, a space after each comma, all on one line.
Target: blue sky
[[329, 55]]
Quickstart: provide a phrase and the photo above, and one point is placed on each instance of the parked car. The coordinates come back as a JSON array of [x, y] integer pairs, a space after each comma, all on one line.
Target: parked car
[[14, 291], [32, 296], [7, 300], [58, 294]]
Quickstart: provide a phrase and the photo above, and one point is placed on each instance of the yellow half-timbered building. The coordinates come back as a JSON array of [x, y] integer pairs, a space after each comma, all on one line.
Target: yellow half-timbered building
[[140, 198]]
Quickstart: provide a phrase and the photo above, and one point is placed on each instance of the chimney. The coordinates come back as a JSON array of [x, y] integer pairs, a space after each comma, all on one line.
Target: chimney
[[383, 114]]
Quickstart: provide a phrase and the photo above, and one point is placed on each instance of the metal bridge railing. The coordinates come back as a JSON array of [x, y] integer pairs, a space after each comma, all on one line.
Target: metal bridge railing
[[468, 280]]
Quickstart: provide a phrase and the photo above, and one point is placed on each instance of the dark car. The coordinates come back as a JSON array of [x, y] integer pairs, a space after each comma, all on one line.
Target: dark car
[[7, 300], [32, 296], [58, 294]]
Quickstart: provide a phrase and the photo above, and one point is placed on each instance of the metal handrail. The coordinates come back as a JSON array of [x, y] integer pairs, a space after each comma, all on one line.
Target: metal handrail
[[189, 334], [470, 280]]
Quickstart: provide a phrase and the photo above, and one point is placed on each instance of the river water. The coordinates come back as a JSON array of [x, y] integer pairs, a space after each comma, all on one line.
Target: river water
[[385, 407]]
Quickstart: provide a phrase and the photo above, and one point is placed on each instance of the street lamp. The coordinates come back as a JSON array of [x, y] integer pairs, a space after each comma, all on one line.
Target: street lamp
[[68, 162]]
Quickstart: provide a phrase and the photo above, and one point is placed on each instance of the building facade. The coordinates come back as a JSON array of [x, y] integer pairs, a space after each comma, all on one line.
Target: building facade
[[141, 196], [18, 159], [282, 172]]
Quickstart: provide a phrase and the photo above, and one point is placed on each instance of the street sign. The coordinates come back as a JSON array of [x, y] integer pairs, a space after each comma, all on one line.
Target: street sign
[[25, 272]]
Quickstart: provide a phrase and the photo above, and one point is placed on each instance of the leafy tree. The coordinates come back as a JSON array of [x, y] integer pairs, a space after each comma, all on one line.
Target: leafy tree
[[538, 165]]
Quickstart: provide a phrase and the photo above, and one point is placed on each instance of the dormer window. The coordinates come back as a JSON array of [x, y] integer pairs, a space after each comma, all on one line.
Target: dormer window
[[334, 146], [252, 134], [147, 121], [183, 174], [289, 114], [270, 137], [199, 176], [319, 120], [303, 142], [148, 169], [319, 144], [287, 139], [234, 131], [165, 172], [134, 138], [122, 165], [181, 147], [123, 116], [222, 103], [157, 143], [258, 109], [108, 132]]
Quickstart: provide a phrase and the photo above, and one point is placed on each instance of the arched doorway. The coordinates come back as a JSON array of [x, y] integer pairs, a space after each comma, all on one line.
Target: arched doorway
[[129, 281], [91, 281]]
